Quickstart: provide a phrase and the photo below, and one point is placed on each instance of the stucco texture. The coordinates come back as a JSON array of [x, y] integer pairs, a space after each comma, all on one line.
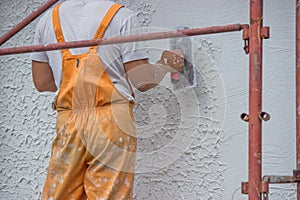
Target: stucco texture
[[191, 143]]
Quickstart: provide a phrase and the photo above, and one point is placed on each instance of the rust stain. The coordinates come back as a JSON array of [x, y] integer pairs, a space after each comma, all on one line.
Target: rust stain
[[256, 66], [257, 155]]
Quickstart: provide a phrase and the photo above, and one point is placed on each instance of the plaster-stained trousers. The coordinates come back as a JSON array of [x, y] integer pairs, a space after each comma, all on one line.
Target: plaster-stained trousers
[[93, 154]]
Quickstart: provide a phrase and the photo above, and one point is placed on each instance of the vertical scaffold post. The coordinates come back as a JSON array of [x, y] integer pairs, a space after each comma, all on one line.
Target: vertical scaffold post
[[298, 91], [255, 100]]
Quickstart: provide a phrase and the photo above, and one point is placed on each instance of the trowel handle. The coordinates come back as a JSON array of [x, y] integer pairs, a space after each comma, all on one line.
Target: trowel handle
[[174, 77]]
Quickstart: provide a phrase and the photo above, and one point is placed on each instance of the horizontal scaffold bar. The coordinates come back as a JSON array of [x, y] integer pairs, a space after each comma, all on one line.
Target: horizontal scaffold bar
[[124, 39]]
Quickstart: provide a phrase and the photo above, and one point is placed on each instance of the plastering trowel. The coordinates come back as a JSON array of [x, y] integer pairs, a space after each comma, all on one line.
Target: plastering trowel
[[186, 78]]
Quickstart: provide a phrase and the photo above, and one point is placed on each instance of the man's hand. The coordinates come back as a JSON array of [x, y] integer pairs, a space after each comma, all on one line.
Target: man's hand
[[174, 59], [145, 76]]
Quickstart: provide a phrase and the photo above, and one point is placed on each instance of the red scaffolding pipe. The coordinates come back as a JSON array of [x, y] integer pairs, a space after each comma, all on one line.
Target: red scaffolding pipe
[[298, 91], [255, 100], [26, 21], [124, 39]]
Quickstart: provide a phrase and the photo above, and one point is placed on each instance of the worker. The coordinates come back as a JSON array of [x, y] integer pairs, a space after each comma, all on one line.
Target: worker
[[93, 153]]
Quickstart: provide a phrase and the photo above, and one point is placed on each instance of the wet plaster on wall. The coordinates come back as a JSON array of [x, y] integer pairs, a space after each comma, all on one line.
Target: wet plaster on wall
[[143, 9], [279, 95], [195, 116], [278, 134], [179, 131]]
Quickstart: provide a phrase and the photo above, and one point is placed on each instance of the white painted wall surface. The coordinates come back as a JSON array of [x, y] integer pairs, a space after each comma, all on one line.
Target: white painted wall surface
[[192, 144]]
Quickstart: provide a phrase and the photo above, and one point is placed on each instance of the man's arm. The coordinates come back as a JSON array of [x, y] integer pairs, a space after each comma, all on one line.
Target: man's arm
[[145, 76], [43, 77]]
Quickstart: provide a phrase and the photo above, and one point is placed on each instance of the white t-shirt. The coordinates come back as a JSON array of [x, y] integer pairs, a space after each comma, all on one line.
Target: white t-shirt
[[79, 21]]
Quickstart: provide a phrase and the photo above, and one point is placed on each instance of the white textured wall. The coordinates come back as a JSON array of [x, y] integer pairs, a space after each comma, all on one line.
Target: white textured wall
[[192, 144]]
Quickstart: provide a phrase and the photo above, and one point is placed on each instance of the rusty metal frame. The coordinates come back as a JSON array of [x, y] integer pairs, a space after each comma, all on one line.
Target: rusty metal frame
[[267, 180], [253, 37], [124, 39], [258, 187], [255, 100], [253, 46]]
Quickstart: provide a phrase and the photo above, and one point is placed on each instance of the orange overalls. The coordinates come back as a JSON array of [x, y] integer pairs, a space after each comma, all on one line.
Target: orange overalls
[[93, 154]]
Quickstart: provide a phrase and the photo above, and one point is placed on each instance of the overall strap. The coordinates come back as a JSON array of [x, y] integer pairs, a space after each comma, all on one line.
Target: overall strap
[[105, 23], [57, 29]]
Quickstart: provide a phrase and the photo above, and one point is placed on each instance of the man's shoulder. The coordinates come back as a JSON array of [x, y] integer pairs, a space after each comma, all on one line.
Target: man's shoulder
[[44, 19]]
